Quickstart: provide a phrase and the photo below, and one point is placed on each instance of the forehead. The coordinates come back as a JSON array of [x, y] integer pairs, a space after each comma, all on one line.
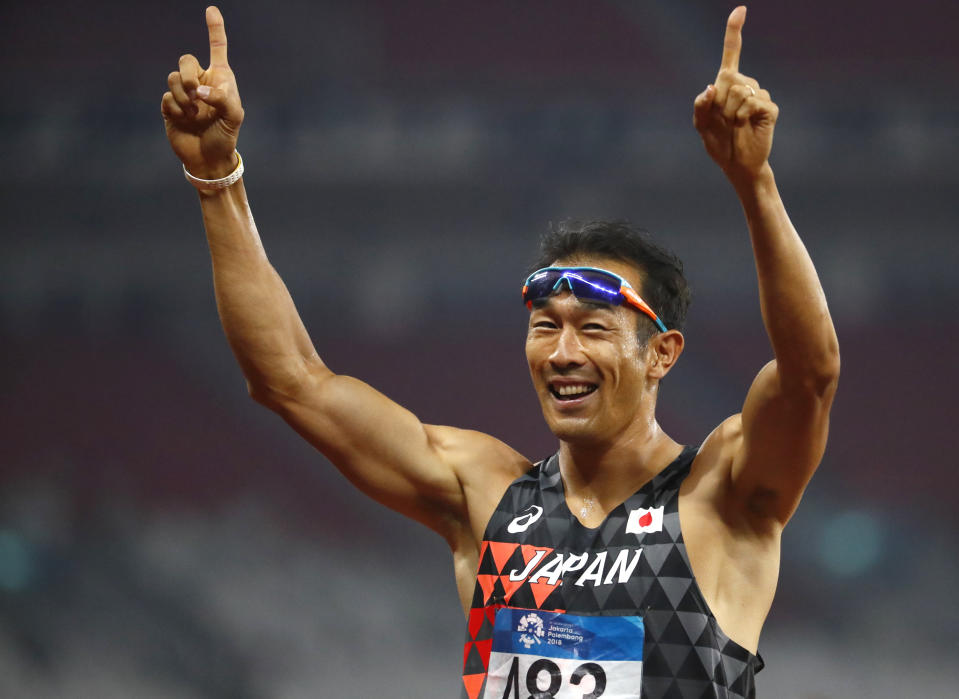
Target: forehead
[[624, 269]]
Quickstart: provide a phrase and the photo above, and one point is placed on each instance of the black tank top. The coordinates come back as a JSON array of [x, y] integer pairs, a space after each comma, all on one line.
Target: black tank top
[[536, 555]]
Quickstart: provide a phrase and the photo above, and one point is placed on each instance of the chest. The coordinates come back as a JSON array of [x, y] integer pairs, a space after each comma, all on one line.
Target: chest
[[537, 555]]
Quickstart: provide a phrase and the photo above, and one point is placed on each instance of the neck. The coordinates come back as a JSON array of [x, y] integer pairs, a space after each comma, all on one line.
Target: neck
[[612, 471]]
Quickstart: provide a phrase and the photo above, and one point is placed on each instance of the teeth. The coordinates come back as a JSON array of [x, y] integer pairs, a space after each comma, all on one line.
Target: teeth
[[573, 390]]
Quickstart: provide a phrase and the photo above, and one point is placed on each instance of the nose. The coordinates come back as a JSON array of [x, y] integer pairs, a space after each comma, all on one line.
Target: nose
[[568, 350]]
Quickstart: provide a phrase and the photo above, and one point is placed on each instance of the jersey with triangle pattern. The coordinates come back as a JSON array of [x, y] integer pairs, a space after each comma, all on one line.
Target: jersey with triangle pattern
[[537, 555]]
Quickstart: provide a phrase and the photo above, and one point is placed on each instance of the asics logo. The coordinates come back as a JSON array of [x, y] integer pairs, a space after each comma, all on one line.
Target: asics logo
[[523, 522]]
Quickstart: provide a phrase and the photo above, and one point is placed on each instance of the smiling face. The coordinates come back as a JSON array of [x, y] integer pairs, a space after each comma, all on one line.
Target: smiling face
[[587, 364]]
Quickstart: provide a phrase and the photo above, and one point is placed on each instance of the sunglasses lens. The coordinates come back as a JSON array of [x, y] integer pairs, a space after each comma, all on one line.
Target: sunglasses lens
[[541, 284], [585, 284], [593, 286]]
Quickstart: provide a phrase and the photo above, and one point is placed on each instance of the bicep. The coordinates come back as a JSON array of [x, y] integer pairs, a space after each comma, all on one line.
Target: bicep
[[380, 446], [384, 449], [784, 431]]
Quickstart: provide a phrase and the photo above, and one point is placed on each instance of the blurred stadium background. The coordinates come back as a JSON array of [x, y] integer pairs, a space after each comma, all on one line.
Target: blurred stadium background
[[162, 536]]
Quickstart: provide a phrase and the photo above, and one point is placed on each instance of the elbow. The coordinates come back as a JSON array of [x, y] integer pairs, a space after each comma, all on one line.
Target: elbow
[[830, 366], [281, 389], [261, 393], [821, 377], [274, 389], [828, 378], [814, 376], [276, 399]]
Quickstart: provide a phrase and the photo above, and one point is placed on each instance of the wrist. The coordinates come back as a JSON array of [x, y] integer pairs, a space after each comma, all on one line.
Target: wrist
[[758, 194], [751, 184], [217, 182], [213, 170]]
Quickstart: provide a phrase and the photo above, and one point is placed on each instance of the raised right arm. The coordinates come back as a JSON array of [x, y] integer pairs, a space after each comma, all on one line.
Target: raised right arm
[[418, 470]]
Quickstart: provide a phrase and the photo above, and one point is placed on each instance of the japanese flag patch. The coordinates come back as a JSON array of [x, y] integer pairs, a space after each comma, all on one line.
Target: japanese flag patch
[[645, 520]]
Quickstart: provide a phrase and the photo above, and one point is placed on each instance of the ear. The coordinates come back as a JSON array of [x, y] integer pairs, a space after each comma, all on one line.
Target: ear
[[662, 352]]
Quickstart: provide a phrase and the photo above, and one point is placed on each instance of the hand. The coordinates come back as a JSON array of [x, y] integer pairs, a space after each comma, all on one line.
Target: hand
[[202, 110], [734, 116]]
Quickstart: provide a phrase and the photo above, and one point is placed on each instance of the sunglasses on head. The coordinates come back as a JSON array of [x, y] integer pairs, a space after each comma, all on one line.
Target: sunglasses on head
[[586, 284]]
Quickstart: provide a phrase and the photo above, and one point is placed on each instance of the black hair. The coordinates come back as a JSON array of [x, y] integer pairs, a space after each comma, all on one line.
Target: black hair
[[664, 286]]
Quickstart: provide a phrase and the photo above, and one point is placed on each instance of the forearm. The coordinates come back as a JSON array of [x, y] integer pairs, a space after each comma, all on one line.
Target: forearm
[[792, 300], [258, 315]]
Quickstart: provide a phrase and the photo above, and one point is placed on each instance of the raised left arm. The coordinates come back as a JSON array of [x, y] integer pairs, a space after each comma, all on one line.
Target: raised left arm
[[785, 418]]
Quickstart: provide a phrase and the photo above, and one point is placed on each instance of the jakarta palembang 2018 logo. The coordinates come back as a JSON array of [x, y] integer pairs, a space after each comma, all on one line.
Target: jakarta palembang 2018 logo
[[531, 628]]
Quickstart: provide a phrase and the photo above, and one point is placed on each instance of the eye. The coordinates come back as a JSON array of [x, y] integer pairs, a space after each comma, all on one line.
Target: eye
[[546, 324], [594, 326]]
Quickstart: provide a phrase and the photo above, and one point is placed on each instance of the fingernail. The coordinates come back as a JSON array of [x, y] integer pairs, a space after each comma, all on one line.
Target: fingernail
[[203, 91]]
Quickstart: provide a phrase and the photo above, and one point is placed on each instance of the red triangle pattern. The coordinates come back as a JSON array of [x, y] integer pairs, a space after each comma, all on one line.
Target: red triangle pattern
[[530, 551], [475, 621], [473, 684], [486, 583], [501, 553], [510, 587], [542, 590], [485, 648]]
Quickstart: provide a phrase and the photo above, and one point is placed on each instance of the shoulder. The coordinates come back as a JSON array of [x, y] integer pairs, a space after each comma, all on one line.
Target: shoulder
[[483, 464], [470, 452], [484, 467]]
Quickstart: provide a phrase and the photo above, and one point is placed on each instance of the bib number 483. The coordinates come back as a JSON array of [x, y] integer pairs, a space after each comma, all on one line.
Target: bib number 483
[[555, 676]]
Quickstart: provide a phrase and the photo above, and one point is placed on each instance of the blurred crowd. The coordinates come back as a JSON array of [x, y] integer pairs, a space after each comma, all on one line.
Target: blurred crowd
[[162, 536]]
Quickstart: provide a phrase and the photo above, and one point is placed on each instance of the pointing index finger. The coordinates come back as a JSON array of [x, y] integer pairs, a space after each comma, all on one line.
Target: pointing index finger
[[214, 23], [733, 43]]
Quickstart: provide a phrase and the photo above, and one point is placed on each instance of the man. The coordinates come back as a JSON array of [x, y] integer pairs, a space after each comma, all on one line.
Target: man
[[576, 576]]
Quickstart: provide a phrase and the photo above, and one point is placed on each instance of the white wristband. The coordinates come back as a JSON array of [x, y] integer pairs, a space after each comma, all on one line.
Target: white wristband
[[221, 183]]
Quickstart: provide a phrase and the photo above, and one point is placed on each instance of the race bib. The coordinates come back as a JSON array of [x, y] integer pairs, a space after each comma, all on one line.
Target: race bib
[[540, 655]]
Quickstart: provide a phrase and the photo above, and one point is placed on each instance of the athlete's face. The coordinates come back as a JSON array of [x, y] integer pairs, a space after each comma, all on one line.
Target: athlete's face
[[587, 365]]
